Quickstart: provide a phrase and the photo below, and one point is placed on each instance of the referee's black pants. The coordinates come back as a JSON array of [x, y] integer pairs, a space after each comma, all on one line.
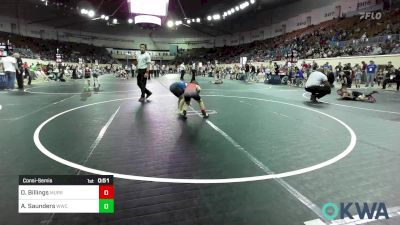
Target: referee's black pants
[[319, 91], [142, 81]]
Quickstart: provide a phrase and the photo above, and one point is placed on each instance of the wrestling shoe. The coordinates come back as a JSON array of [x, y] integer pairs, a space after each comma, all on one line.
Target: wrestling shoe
[[313, 99], [183, 114]]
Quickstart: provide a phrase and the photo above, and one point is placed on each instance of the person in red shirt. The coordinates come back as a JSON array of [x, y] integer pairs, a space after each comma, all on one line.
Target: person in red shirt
[[193, 91], [88, 76], [27, 74], [305, 67]]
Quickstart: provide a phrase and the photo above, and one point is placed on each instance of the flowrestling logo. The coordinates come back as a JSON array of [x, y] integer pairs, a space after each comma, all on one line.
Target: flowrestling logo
[[370, 15], [331, 211]]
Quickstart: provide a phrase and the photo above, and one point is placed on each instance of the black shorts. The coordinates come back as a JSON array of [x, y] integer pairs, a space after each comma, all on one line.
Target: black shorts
[[189, 97], [95, 75], [356, 94], [87, 76]]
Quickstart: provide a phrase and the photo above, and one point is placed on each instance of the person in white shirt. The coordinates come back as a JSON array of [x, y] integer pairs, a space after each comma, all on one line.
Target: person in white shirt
[[151, 74], [143, 65], [182, 69], [194, 71], [156, 70], [162, 70], [3, 78], [318, 85], [10, 70], [95, 75]]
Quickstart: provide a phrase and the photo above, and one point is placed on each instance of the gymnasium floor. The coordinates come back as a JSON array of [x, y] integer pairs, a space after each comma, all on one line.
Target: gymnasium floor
[[336, 151]]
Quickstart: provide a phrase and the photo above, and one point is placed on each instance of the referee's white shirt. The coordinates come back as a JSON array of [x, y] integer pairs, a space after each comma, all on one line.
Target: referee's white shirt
[[143, 60], [316, 78]]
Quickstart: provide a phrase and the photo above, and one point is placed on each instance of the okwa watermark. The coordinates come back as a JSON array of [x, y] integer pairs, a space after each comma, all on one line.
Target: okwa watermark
[[376, 210], [370, 15]]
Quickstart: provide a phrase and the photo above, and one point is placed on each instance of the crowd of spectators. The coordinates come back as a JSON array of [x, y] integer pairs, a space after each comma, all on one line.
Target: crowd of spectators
[[338, 37], [36, 48]]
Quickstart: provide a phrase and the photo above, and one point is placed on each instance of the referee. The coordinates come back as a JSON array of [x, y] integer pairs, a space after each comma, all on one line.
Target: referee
[[143, 60]]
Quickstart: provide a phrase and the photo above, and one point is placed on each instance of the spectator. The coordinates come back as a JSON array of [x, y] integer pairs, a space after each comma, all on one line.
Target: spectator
[[347, 75], [358, 74], [392, 76], [338, 70], [364, 71], [3, 78], [10, 70], [19, 75], [27, 74], [377, 50], [396, 49], [182, 69], [371, 72], [314, 66]]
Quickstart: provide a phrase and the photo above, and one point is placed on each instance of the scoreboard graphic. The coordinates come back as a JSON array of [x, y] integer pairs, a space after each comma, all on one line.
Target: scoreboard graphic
[[66, 194]]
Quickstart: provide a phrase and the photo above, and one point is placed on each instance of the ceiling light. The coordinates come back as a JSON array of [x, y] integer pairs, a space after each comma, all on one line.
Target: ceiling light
[[193, 20], [115, 21], [102, 16], [252, 1], [216, 17], [237, 8], [130, 20], [148, 19], [198, 20], [188, 21], [106, 18], [244, 5], [209, 18], [170, 23], [91, 13], [84, 11]]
